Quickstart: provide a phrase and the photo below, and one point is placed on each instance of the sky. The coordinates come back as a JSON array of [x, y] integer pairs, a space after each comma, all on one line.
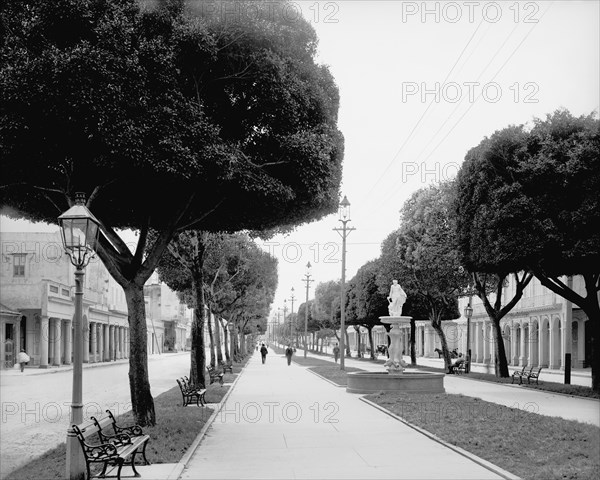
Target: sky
[[420, 84]]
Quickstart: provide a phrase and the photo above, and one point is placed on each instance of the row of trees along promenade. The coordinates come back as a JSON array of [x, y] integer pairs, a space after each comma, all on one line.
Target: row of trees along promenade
[[172, 119], [525, 203]]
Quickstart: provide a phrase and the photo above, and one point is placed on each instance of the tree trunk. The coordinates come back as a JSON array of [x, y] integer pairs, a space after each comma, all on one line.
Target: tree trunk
[[211, 340], [594, 320], [436, 323], [226, 345], [218, 341], [358, 342], [413, 350], [496, 312], [142, 402], [198, 353], [243, 348], [500, 362], [235, 350], [348, 354], [590, 304]]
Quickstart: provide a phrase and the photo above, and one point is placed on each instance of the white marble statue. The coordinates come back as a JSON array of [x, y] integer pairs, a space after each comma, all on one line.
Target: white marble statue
[[397, 297]]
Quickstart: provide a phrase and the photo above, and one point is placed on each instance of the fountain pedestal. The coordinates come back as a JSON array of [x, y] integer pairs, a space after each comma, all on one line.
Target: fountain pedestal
[[395, 364], [395, 379]]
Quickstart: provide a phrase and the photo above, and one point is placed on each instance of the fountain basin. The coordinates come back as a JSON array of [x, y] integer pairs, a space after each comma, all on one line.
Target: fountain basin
[[408, 381]]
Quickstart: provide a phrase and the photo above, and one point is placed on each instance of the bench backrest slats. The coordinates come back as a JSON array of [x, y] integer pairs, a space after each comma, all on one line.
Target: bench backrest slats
[[89, 429]]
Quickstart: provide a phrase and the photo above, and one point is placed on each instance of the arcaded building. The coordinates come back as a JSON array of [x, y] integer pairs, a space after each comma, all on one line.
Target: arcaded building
[[37, 283]]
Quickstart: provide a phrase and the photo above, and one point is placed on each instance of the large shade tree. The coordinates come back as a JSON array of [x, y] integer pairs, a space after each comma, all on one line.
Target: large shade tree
[[529, 200], [168, 121], [488, 283]]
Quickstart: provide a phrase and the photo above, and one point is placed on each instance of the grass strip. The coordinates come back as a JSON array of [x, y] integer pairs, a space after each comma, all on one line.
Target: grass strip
[[174, 432], [532, 446]]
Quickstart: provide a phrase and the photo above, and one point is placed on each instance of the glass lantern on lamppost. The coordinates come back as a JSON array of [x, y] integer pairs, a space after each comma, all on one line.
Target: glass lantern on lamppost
[[468, 315], [80, 230], [344, 217]]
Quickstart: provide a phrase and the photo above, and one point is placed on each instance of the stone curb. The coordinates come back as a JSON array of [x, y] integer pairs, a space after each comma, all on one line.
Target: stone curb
[[180, 466], [323, 378], [29, 371], [478, 460], [526, 388]]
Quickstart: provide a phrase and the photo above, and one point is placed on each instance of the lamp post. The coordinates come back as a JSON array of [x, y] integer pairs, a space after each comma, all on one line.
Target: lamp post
[[307, 280], [279, 324], [292, 298], [344, 217], [80, 231], [284, 315], [468, 314]]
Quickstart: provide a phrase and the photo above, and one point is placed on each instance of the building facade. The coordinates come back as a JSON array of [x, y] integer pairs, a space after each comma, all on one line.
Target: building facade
[[37, 293], [168, 320], [37, 286], [539, 331]]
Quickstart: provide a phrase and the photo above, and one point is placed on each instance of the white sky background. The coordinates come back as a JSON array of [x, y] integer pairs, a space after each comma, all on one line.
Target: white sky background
[[541, 55]]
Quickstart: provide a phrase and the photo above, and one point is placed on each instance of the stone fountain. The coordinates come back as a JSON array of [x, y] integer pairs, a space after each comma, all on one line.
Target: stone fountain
[[397, 378]]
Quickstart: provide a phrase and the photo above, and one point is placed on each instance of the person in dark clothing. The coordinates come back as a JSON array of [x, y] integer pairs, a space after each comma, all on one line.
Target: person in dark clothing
[[336, 352], [263, 353], [289, 351]]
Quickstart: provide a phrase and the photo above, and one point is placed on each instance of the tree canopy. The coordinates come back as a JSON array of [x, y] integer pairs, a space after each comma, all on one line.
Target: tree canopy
[[529, 200], [233, 118]]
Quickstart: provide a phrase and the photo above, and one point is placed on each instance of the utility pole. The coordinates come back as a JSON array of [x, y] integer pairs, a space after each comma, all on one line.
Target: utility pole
[[292, 298], [307, 280], [344, 217], [284, 315]]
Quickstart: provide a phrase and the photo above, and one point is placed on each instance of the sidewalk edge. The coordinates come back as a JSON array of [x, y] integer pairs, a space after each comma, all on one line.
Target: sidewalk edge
[[480, 461], [178, 470], [323, 378]]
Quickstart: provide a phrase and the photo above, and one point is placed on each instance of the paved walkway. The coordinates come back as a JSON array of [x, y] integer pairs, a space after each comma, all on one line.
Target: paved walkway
[[282, 421]]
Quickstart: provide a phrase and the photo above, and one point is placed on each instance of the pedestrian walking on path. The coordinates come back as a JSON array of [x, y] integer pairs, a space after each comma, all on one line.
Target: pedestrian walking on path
[[23, 359], [263, 353], [289, 351], [336, 352]]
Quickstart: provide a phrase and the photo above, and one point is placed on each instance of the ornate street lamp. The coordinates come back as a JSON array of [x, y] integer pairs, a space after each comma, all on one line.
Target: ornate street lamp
[[344, 217], [80, 231], [307, 280], [468, 314]]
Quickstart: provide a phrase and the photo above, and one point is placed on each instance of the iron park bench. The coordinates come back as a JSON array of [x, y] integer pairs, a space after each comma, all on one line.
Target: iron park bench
[[214, 375], [521, 373], [191, 393], [115, 448], [226, 366], [534, 375]]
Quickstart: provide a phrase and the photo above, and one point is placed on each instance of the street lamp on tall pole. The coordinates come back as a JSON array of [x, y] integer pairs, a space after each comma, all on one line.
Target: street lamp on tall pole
[[344, 217], [292, 298], [80, 230], [470, 291], [278, 324], [285, 315], [468, 314], [307, 279]]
